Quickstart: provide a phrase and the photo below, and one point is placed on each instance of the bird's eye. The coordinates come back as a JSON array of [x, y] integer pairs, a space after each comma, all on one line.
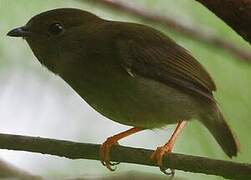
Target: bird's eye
[[56, 28]]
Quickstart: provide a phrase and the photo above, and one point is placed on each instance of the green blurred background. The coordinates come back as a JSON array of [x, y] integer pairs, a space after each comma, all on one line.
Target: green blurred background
[[35, 102]]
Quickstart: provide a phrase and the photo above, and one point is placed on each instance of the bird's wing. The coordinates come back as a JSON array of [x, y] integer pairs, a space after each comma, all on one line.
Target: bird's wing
[[153, 55]]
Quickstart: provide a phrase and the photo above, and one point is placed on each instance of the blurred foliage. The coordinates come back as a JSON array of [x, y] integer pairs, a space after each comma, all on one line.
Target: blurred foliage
[[33, 101]]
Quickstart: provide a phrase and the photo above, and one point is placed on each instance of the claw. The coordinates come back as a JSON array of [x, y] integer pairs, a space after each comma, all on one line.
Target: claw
[[114, 163], [158, 155], [105, 154], [165, 171], [105, 148]]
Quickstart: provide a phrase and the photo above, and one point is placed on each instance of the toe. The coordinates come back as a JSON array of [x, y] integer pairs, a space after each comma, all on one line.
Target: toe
[[105, 154], [158, 155]]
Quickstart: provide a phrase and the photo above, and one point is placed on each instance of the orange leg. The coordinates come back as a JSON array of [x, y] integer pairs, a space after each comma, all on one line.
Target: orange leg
[[167, 148], [111, 141]]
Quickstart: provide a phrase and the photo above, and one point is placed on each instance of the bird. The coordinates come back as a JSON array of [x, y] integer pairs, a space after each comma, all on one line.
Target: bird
[[130, 73]]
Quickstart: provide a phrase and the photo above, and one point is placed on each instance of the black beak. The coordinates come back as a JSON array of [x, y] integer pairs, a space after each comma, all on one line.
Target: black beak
[[19, 32]]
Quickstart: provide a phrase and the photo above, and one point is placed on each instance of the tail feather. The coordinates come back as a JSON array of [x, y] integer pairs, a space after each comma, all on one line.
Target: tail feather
[[216, 124]]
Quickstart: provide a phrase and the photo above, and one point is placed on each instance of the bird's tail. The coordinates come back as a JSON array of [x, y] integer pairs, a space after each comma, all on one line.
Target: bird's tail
[[216, 124]]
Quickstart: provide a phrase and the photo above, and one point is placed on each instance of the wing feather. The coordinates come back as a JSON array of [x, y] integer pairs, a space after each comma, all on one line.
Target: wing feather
[[149, 53]]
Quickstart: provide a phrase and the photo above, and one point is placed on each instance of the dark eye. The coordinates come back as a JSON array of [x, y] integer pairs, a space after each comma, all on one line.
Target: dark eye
[[56, 28]]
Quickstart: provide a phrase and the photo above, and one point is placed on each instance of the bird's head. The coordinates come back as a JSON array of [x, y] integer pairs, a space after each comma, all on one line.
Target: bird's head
[[54, 32]]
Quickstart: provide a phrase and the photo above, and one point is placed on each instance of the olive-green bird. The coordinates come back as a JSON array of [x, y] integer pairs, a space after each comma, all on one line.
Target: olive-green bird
[[130, 73]]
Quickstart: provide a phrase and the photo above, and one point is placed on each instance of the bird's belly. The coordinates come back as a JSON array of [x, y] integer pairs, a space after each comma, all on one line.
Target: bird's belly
[[139, 102]]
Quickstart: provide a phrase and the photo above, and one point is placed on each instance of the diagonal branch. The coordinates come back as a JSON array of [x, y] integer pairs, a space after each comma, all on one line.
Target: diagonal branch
[[196, 33], [75, 150], [236, 14]]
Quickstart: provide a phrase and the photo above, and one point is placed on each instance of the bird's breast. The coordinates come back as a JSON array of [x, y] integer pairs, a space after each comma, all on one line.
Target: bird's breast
[[134, 101]]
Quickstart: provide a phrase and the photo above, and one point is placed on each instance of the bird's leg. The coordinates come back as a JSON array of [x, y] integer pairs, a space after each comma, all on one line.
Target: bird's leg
[[111, 141], [158, 154]]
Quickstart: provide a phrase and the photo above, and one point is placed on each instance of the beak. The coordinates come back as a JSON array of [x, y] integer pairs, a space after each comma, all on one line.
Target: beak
[[19, 32]]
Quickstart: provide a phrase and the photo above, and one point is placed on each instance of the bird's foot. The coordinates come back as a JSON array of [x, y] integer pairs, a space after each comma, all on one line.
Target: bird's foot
[[158, 155], [105, 153], [111, 141]]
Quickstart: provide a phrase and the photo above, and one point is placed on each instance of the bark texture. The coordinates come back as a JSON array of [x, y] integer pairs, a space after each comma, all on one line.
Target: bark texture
[[75, 150], [236, 13]]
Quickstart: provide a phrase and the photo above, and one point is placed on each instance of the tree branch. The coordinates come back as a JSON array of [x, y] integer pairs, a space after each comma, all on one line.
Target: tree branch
[[75, 150], [237, 14], [196, 33]]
